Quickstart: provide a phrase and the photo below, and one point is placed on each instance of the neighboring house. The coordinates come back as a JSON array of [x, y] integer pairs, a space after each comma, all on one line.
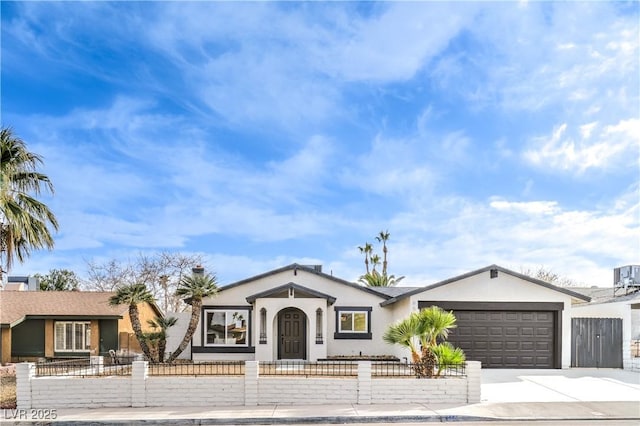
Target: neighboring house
[[606, 332], [57, 324], [505, 319]]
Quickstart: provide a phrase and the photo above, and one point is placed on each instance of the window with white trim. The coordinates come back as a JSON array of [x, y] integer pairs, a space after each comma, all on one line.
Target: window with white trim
[[353, 322], [226, 327], [72, 336]]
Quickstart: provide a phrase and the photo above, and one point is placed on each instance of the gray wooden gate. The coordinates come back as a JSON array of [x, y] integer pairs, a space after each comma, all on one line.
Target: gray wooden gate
[[596, 342]]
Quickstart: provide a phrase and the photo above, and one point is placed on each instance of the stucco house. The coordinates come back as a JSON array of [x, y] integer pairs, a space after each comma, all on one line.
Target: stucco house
[[58, 324], [505, 319]]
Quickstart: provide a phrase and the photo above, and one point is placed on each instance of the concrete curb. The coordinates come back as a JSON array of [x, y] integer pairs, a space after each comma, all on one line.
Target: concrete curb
[[314, 420]]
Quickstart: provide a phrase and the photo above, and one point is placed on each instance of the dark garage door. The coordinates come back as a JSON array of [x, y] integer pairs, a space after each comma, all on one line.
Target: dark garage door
[[506, 339]]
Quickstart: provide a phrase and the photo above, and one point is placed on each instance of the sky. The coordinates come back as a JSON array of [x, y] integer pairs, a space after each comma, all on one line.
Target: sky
[[259, 134]]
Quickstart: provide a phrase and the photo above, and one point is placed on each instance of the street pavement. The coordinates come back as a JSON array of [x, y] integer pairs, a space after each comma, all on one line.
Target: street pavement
[[507, 395]]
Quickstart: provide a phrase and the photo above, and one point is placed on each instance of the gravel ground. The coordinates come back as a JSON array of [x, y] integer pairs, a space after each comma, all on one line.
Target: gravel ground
[[8, 386]]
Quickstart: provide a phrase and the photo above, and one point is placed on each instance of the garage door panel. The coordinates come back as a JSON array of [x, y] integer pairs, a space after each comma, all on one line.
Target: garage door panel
[[496, 346], [526, 331], [480, 331], [495, 331], [481, 345], [506, 339], [465, 331]]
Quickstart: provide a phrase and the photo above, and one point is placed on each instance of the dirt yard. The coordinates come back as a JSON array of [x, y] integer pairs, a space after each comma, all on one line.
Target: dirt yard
[[8, 387]]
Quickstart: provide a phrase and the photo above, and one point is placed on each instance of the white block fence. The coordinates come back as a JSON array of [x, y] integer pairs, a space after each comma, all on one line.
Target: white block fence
[[141, 390]]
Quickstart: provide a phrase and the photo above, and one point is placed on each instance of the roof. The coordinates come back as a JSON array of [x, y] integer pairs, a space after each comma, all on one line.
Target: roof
[[311, 270], [480, 271], [285, 288], [393, 291], [605, 294], [16, 306]]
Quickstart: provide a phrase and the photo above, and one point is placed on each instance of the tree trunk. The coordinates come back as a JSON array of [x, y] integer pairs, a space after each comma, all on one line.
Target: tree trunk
[[384, 262], [196, 305], [418, 367], [429, 361], [137, 329], [162, 347]]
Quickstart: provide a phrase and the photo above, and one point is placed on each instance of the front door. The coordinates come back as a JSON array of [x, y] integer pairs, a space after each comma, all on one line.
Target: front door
[[293, 334]]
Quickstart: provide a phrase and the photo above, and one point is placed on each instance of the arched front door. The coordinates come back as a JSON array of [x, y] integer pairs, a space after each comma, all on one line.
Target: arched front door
[[292, 332]]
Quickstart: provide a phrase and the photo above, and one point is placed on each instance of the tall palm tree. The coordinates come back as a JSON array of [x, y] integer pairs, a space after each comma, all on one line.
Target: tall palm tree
[[132, 295], [383, 237], [24, 221], [160, 325], [367, 249], [419, 332], [194, 288]]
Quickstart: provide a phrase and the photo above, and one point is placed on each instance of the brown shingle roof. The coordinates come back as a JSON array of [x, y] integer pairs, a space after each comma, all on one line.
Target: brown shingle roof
[[15, 305]]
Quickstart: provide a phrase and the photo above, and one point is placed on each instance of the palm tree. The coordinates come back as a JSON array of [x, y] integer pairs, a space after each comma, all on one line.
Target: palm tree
[[383, 237], [194, 289], [132, 295], [375, 261], [367, 249], [24, 221], [376, 279], [419, 332], [160, 325]]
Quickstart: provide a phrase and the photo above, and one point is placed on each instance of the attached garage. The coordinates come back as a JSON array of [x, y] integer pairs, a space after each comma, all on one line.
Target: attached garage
[[504, 319], [507, 335]]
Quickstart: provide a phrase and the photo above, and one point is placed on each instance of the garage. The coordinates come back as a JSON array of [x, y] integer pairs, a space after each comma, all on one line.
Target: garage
[[508, 334]]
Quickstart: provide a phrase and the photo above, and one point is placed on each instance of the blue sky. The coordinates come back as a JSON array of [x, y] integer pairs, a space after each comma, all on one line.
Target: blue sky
[[261, 134]]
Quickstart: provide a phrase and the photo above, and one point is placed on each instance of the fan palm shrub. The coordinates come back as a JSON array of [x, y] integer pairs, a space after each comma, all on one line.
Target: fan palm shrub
[[419, 333]]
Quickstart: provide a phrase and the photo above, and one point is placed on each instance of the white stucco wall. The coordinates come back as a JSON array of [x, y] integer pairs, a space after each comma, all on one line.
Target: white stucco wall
[[250, 389], [176, 333], [504, 288]]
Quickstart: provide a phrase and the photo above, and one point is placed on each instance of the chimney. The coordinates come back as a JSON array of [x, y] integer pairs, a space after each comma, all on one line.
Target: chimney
[[198, 270]]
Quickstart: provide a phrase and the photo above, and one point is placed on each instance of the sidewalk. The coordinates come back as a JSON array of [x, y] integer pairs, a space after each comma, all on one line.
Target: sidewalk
[[344, 414]]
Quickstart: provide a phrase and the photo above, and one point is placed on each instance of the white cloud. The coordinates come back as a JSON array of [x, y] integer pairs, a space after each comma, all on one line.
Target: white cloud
[[589, 147], [391, 167], [395, 44], [530, 207]]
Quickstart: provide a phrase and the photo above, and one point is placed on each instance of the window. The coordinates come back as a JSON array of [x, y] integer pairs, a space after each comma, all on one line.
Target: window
[[72, 336], [353, 322], [263, 326], [226, 327], [319, 338]]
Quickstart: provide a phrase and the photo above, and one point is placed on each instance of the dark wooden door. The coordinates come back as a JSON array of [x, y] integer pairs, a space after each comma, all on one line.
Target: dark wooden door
[[596, 342], [292, 330]]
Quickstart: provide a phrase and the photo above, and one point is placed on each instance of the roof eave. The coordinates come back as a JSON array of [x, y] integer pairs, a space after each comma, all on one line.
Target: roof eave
[[294, 267], [485, 269]]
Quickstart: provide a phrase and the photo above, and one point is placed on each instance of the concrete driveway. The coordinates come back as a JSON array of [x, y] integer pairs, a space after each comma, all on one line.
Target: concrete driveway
[[567, 385]]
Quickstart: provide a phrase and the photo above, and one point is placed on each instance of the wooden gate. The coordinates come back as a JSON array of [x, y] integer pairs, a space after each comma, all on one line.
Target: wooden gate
[[596, 342]]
